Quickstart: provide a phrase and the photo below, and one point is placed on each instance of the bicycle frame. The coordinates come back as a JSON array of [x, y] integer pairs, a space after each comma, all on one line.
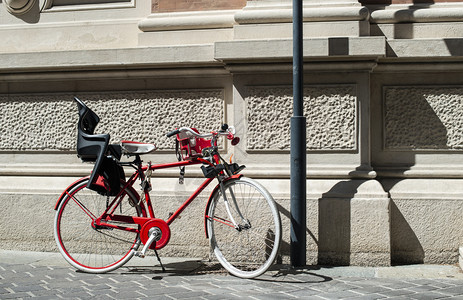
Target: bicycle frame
[[148, 212], [146, 219], [109, 213]]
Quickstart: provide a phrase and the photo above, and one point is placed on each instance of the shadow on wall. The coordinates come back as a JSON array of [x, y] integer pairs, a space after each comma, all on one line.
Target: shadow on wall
[[411, 124], [405, 245], [403, 28], [285, 246], [334, 223], [454, 46]]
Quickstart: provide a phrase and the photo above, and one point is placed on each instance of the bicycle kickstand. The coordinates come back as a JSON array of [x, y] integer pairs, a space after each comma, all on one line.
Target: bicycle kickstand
[[159, 260], [151, 240]]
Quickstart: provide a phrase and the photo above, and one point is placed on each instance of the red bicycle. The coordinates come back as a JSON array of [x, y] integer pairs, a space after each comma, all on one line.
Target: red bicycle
[[101, 222]]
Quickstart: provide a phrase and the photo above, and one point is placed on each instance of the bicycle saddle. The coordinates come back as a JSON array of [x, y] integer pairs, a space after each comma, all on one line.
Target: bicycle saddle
[[133, 148]]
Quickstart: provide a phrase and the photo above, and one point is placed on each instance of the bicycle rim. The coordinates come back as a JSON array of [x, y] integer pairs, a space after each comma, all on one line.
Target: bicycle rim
[[86, 248], [250, 250]]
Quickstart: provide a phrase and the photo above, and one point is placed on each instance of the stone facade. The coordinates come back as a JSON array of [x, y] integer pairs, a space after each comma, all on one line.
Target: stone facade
[[421, 118], [383, 99], [48, 119]]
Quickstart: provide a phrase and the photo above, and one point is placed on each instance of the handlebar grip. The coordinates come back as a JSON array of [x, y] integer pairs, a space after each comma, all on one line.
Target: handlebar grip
[[172, 133]]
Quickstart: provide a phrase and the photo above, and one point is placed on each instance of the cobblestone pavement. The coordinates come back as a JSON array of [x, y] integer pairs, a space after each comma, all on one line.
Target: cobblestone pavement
[[20, 278]]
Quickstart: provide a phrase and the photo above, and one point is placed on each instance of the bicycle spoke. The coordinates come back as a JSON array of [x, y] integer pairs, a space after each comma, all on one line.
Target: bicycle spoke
[[114, 236], [82, 206], [223, 221], [87, 246], [248, 250]]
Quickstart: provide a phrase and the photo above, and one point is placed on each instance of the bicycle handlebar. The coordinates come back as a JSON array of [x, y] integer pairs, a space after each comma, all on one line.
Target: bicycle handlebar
[[194, 133], [172, 133]]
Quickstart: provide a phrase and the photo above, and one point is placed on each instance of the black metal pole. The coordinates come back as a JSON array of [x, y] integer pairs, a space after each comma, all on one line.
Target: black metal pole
[[298, 148]]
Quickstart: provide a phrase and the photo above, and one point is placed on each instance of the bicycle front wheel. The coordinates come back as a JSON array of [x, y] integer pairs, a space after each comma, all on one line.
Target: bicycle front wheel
[[91, 248], [244, 227]]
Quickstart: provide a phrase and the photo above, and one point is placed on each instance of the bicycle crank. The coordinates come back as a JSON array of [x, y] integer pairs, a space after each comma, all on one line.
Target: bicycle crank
[[155, 234]]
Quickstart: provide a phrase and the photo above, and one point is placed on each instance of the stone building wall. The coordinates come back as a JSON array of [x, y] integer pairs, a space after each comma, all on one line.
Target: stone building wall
[[383, 99]]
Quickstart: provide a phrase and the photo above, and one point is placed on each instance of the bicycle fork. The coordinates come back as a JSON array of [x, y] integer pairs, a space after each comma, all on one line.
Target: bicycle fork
[[237, 226]]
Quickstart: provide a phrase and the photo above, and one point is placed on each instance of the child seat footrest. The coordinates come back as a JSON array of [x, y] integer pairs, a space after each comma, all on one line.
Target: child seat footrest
[[212, 171]]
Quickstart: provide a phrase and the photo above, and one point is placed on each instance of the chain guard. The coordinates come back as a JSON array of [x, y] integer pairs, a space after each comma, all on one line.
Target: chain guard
[[163, 231]]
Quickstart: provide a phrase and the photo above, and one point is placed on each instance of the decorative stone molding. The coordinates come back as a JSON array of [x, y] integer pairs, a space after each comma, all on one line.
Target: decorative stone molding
[[275, 49], [163, 6], [331, 113], [19, 7], [283, 14], [188, 20], [47, 122], [423, 118], [107, 58], [426, 47], [418, 13], [80, 2], [255, 12], [71, 5]]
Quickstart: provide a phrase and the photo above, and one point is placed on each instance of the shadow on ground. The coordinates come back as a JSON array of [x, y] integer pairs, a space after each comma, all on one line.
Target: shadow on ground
[[277, 273]]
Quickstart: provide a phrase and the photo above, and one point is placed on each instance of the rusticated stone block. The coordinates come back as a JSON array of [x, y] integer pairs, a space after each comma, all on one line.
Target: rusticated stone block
[[426, 223], [354, 224], [331, 113], [48, 122], [423, 118]]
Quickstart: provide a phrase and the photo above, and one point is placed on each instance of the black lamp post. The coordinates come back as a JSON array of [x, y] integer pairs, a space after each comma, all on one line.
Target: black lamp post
[[298, 147]]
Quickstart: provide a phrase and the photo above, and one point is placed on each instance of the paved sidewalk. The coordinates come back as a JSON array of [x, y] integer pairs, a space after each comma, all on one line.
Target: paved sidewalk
[[47, 276]]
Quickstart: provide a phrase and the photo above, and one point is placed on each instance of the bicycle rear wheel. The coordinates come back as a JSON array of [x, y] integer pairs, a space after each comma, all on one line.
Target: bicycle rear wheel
[[91, 248], [250, 248]]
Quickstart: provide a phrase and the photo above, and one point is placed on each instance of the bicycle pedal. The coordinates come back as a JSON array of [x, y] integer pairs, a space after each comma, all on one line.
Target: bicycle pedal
[[139, 254]]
